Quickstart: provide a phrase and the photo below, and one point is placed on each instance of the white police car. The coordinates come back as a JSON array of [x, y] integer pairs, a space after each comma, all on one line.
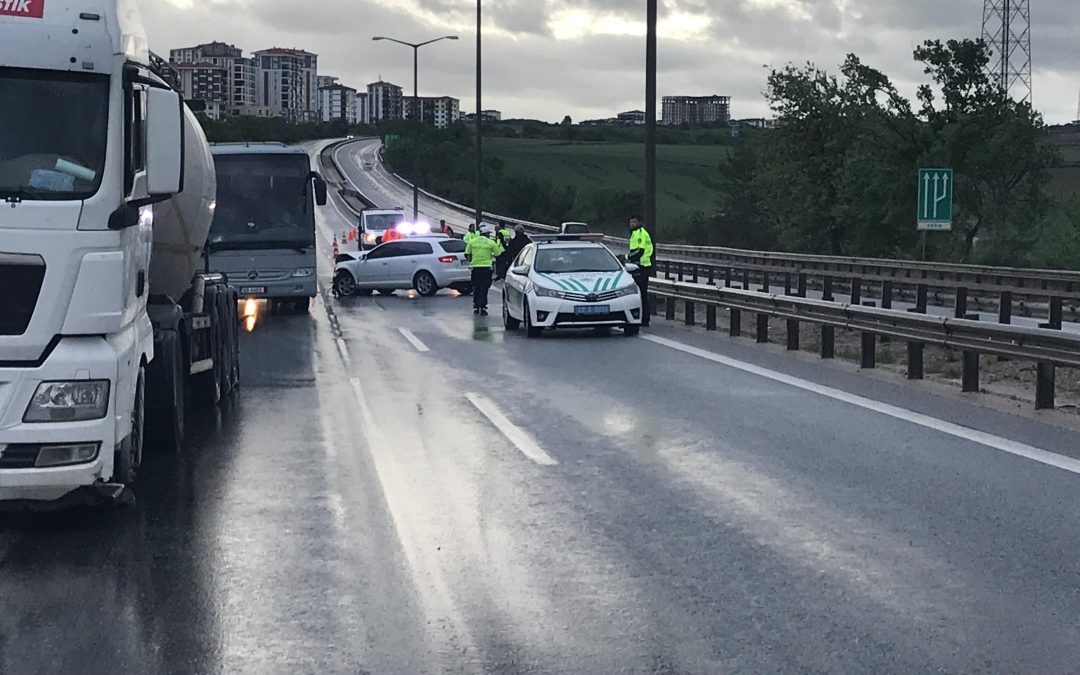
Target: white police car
[[570, 281]]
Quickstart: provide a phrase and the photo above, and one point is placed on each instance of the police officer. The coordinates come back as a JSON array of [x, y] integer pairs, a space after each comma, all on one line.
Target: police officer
[[481, 251], [641, 254], [502, 235], [470, 234]]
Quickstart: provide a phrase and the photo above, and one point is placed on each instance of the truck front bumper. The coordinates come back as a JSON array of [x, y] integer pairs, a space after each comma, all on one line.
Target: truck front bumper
[[89, 358]]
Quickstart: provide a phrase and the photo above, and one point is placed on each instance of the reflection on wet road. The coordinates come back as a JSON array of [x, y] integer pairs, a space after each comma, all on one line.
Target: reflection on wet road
[[574, 504]]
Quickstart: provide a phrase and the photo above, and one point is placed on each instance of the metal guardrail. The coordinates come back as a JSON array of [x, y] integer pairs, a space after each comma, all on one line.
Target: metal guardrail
[[1047, 348], [339, 181]]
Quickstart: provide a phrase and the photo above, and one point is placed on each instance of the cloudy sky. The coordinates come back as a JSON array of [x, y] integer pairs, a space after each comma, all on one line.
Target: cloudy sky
[[585, 58]]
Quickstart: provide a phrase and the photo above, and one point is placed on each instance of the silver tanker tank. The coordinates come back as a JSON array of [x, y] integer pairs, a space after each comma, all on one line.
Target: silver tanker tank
[[182, 224]]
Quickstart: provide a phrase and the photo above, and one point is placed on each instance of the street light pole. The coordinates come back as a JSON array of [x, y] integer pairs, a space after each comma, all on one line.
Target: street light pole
[[479, 120], [650, 118], [416, 111]]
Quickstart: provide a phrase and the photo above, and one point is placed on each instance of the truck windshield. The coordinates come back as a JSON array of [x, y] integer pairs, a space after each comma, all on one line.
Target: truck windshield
[[380, 222], [263, 201], [52, 146]]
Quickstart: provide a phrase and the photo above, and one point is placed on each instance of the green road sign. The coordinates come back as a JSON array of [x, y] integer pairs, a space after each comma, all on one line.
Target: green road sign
[[390, 139], [935, 199]]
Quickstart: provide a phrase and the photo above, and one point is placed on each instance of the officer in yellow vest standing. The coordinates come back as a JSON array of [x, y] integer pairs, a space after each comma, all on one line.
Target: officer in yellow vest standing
[[641, 254], [481, 251]]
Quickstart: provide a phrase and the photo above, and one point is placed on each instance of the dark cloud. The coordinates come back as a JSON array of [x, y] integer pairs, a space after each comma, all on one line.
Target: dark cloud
[[528, 72]]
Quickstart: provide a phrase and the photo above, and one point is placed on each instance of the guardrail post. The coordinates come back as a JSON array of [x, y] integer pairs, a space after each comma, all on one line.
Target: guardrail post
[[654, 306], [793, 335], [693, 272], [1055, 314], [914, 360], [762, 328], [920, 299], [669, 310], [802, 285], [826, 289], [787, 283], [712, 275], [1044, 386], [856, 291], [679, 267], [727, 277], [828, 342], [1005, 307], [746, 279], [970, 371], [886, 295], [688, 314], [710, 317], [765, 282], [869, 350], [735, 322], [961, 304]]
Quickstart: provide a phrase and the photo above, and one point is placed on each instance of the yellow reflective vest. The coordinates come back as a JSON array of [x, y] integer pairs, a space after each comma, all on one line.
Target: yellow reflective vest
[[641, 240], [482, 251]]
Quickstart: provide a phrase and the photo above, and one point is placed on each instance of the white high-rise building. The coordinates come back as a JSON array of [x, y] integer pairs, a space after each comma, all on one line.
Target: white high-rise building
[[384, 102], [337, 102], [287, 81]]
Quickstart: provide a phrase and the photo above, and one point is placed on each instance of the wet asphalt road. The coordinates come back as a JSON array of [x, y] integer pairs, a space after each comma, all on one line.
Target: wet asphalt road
[[576, 504]]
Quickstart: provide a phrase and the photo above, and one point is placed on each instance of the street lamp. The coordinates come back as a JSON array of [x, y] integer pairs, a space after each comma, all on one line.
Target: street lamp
[[416, 110]]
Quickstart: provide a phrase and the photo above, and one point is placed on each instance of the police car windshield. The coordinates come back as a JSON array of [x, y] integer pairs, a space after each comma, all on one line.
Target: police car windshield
[[564, 259], [53, 143]]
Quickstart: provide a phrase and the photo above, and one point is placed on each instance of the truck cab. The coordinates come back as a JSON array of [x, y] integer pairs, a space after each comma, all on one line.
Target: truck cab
[[374, 224], [106, 194]]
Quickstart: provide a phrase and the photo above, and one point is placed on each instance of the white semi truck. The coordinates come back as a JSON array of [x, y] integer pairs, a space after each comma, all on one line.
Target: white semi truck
[[108, 315]]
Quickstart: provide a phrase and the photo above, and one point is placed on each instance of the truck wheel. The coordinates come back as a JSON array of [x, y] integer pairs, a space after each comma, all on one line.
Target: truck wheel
[[302, 306], [128, 456]]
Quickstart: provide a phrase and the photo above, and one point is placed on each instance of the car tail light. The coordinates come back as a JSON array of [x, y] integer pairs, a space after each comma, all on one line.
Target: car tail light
[[448, 259]]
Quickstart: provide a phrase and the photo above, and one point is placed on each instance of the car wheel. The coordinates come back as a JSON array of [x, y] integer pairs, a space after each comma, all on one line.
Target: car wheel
[[344, 285], [386, 291], [631, 329], [509, 322], [425, 284], [530, 330]]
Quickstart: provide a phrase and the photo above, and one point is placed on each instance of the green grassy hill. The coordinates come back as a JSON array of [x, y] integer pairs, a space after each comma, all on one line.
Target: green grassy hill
[[686, 174]]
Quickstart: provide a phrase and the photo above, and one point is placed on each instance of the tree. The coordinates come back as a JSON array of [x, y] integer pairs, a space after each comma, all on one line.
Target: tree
[[566, 121]]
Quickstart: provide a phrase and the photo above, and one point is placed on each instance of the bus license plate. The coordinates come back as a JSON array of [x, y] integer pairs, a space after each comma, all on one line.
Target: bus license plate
[[252, 290], [591, 309]]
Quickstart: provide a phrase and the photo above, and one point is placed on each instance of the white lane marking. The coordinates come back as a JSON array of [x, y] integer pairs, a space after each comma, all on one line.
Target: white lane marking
[[413, 340], [518, 436], [968, 434]]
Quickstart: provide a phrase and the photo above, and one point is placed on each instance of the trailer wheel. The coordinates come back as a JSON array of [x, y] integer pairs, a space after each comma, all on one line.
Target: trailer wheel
[[206, 390], [127, 457]]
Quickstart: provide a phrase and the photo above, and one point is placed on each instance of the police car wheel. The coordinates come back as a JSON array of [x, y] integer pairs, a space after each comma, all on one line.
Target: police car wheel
[[530, 330], [509, 322]]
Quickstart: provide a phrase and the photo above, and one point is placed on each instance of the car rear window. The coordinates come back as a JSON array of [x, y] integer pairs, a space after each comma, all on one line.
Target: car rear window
[[453, 246]]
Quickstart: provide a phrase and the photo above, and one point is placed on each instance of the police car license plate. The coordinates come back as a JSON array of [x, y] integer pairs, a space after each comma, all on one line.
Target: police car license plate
[[592, 309], [252, 290]]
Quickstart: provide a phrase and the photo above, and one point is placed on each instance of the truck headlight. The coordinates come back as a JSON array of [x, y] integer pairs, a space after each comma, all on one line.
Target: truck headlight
[[548, 293], [304, 272], [627, 290], [77, 401]]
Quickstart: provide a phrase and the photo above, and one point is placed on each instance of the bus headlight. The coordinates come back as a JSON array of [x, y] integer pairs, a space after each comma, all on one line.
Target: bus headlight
[[304, 272], [77, 401]]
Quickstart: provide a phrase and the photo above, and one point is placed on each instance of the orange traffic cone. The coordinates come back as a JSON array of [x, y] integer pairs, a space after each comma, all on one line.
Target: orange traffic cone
[[336, 250]]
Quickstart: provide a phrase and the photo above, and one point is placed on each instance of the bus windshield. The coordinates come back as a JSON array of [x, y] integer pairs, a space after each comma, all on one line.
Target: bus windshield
[[263, 201]]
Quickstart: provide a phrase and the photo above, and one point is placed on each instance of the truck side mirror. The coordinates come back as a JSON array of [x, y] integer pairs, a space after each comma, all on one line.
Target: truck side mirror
[[320, 188], [165, 142]]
